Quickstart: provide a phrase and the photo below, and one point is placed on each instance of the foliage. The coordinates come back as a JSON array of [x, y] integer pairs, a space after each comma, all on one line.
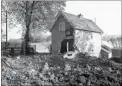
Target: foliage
[[114, 40], [117, 59], [40, 38], [85, 71], [57, 62], [83, 41], [34, 15], [6, 16]]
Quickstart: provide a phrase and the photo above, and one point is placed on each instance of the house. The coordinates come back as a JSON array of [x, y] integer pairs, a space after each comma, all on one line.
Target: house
[[74, 32]]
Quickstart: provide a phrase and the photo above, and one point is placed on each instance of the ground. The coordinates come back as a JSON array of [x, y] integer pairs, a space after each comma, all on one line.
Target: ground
[[38, 70]]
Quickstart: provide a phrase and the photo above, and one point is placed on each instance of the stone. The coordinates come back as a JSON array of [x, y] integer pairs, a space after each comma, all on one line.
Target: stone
[[52, 77], [82, 79], [33, 72], [46, 68], [67, 67], [18, 57]]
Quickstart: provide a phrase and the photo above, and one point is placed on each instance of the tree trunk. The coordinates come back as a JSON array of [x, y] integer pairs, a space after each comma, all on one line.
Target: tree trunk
[[26, 41], [28, 15]]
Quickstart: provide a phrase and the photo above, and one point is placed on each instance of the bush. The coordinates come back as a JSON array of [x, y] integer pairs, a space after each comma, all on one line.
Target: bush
[[117, 59], [56, 61], [84, 72], [82, 55]]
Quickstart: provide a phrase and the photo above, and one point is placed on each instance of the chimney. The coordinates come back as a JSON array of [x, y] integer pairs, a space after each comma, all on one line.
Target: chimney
[[80, 16]]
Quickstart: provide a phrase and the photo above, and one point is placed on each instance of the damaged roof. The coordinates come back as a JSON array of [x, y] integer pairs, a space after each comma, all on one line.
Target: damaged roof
[[80, 23]]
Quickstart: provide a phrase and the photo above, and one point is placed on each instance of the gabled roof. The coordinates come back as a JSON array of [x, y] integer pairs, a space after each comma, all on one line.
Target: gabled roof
[[79, 23]]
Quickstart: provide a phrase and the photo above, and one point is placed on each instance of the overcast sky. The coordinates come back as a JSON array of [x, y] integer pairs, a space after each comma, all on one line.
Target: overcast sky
[[107, 13]]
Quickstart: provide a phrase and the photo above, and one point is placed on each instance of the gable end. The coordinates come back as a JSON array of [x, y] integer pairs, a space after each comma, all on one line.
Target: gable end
[[59, 15]]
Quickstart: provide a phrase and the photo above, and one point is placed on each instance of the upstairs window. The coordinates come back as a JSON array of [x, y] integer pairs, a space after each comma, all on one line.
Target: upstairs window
[[62, 26], [69, 32]]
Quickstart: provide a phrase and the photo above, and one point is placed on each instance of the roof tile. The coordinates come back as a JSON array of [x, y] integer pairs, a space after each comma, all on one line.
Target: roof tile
[[82, 23]]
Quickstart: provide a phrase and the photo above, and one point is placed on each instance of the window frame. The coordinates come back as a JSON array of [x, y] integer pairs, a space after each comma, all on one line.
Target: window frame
[[62, 24]]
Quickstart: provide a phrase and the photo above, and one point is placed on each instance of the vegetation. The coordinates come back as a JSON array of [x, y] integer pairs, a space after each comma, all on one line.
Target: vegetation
[[114, 40], [32, 15], [46, 70], [41, 70]]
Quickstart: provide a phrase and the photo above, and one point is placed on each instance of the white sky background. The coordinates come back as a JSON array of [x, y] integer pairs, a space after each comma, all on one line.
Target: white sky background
[[107, 13]]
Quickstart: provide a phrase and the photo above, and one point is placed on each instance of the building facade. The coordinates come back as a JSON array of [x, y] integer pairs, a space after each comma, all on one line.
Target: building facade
[[71, 32]]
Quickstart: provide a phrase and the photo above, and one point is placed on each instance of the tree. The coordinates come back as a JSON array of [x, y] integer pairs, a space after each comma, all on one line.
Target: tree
[[83, 41], [114, 40], [34, 14], [7, 19], [3, 20]]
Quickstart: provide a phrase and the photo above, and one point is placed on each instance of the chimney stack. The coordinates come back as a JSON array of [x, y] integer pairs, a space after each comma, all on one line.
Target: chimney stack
[[80, 16]]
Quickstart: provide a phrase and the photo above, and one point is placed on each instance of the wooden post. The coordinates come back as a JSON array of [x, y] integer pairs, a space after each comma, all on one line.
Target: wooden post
[[67, 46]]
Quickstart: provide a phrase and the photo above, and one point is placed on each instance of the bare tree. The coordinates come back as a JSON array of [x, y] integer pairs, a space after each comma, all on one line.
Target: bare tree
[[116, 41]]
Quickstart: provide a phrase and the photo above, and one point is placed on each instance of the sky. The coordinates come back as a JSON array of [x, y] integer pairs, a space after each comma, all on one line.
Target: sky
[[106, 13]]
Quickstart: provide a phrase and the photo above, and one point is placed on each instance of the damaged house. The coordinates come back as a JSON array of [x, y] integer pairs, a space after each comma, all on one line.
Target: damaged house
[[74, 32]]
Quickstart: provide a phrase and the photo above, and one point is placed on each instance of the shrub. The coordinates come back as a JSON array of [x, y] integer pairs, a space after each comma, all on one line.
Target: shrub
[[116, 59], [84, 72], [56, 61]]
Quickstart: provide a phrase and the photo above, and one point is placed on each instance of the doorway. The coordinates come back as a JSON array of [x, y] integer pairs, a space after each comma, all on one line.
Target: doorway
[[67, 45]]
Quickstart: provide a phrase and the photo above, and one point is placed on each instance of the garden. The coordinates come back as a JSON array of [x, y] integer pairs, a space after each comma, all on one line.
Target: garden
[[44, 70]]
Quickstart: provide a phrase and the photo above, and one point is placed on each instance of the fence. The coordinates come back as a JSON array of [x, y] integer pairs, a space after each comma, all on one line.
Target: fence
[[11, 51]]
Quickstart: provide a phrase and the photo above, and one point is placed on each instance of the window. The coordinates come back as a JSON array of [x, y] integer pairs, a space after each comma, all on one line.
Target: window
[[61, 26], [67, 32]]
